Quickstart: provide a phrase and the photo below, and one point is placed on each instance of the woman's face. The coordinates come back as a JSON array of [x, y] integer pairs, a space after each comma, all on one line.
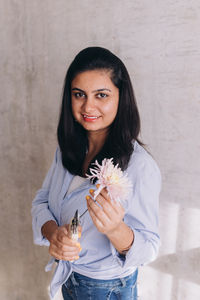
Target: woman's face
[[94, 100]]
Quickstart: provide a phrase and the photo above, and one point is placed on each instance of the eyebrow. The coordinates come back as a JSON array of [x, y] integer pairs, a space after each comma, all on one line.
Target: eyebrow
[[99, 90]]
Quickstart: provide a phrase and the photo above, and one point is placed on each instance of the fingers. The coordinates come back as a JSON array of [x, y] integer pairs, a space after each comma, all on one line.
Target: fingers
[[115, 204], [106, 206], [104, 193], [62, 247], [96, 213], [106, 214], [109, 206], [79, 231], [66, 247], [96, 221], [61, 254]]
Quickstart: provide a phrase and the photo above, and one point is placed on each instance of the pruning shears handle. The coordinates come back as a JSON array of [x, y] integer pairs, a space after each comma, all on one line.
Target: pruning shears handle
[[75, 222]]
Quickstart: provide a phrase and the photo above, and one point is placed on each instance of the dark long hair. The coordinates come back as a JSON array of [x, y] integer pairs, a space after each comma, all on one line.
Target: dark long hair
[[72, 137]]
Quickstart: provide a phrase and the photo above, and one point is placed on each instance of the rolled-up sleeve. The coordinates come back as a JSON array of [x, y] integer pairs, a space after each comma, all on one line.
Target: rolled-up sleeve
[[40, 208], [142, 215]]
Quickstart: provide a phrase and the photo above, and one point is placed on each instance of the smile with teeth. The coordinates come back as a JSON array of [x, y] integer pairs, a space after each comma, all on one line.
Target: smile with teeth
[[89, 118]]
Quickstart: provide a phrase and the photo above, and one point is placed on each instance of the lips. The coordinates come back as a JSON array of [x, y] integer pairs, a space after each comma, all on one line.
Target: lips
[[88, 118]]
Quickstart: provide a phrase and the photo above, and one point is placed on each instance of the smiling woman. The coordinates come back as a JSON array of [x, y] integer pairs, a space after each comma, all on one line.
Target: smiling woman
[[99, 122], [92, 108]]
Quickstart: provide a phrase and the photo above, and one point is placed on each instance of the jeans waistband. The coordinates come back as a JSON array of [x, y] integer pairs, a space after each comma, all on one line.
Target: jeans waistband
[[76, 278]]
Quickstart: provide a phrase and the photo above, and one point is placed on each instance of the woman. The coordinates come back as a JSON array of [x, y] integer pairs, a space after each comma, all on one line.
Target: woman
[[98, 119]]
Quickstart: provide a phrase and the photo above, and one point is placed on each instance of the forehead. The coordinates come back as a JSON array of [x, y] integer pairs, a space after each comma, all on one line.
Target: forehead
[[94, 77]]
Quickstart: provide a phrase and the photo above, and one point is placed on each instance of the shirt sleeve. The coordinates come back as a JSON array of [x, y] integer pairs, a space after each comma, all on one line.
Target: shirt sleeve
[[40, 208], [142, 216]]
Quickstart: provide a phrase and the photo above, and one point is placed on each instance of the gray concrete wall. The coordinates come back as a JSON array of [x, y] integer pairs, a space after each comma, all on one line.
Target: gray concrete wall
[[159, 42]]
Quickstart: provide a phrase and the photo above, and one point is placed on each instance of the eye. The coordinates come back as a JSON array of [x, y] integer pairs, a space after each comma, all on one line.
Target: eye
[[101, 95], [79, 95]]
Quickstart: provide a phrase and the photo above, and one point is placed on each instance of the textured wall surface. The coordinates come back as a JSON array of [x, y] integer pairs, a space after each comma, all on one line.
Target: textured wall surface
[[159, 42]]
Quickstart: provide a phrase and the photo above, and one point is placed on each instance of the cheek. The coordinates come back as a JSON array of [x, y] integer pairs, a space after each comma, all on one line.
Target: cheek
[[111, 109], [75, 107]]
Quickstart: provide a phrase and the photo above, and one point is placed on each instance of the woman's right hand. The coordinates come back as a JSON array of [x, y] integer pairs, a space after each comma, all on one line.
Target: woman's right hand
[[62, 247]]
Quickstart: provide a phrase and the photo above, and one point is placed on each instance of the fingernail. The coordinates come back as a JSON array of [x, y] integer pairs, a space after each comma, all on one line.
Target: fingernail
[[80, 249], [76, 257], [87, 197], [79, 234], [98, 185], [91, 191], [78, 245]]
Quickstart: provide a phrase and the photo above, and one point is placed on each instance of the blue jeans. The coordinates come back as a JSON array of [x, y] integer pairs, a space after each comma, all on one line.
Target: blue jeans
[[79, 287]]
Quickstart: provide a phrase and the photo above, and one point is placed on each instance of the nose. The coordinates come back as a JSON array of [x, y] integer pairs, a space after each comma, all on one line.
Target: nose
[[89, 104]]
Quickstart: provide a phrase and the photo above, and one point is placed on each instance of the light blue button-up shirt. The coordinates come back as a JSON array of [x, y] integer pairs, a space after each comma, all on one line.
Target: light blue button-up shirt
[[98, 258]]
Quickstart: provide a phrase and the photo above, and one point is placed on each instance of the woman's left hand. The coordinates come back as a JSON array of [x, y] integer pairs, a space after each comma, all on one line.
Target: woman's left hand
[[108, 216]]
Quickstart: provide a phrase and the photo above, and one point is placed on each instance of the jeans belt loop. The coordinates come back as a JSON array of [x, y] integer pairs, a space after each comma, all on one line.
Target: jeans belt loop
[[123, 281], [75, 283]]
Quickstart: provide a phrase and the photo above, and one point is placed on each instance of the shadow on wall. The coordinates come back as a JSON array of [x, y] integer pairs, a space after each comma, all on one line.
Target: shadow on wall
[[175, 274], [176, 265]]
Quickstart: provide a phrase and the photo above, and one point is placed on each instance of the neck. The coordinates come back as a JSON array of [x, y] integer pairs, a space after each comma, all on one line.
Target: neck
[[96, 141]]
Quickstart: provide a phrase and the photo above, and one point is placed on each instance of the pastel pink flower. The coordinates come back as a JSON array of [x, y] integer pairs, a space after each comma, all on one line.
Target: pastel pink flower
[[117, 183]]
